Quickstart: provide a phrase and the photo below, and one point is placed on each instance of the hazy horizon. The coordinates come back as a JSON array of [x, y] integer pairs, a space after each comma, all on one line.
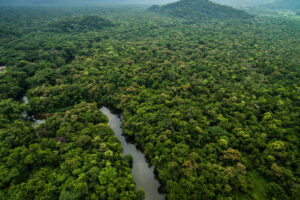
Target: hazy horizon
[[68, 3], [81, 2]]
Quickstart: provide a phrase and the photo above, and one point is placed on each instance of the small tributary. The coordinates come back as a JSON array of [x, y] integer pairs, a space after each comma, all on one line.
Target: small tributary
[[143, 173], [36, 121]]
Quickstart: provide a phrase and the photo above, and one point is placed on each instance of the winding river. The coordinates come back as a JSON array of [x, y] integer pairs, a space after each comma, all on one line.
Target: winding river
[[143, 174]]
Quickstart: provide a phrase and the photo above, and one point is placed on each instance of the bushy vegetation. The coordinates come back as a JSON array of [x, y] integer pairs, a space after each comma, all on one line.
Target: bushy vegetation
[[74, 155], [78, 24], [214, 106]]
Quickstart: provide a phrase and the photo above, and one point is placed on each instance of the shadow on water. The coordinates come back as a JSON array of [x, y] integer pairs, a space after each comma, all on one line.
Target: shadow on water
[[142, 172]]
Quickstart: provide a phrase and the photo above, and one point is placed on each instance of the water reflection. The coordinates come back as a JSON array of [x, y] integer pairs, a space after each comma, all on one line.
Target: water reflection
[[25, 114], [142, 173]]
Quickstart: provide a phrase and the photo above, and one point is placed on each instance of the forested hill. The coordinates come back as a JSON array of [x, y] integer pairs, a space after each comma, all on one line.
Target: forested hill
[[199, 10], [241, 3]]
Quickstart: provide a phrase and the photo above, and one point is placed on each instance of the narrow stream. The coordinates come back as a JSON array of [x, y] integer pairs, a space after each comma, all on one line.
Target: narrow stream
[[143, 174], [36, 121]]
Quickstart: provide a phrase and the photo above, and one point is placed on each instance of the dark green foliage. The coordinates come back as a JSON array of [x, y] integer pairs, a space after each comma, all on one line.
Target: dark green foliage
[[11, 110], [12, 84], [199, 10], [74, 155], [78, 24], [48, 99], [6, 31], [214, 106]]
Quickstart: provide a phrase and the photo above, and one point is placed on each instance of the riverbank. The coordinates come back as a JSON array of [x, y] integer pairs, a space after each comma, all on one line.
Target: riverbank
[[37, 119], [143, 173]]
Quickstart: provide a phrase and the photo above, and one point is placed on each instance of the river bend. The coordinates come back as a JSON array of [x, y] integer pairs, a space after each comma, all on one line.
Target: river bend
[[142, 173]]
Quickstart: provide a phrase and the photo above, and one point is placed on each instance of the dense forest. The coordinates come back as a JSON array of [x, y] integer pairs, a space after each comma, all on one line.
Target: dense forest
[[214, 104]]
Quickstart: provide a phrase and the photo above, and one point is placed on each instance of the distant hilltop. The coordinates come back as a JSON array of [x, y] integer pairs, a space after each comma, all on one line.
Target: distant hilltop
[[199, 10], [242, 3]]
